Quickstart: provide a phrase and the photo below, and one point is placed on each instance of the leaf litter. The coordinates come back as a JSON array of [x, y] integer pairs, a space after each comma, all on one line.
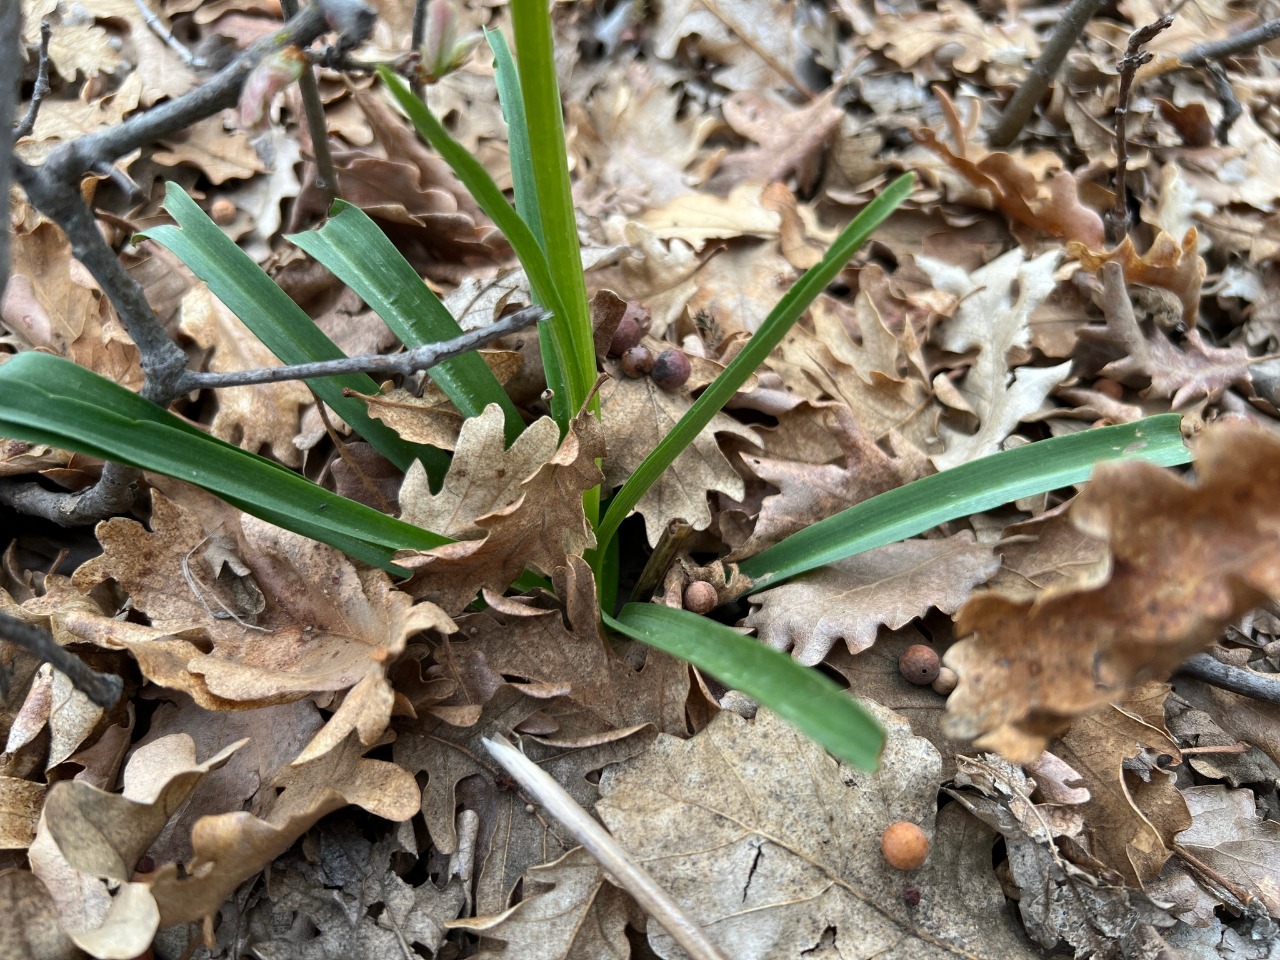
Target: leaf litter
[[288, 710]]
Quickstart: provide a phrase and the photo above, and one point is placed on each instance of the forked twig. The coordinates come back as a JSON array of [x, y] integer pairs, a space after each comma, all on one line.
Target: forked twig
[[1133, 58]]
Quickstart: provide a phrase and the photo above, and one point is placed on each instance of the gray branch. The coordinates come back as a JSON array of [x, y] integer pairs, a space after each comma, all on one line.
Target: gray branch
[[1247, 683], [411, 361], [104, 689]]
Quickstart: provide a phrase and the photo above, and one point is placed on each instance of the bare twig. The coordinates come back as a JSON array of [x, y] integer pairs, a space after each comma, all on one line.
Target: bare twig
[[1247, 683], [114, 493], [327, 176], [1133, 58], [54, 189], [1025, 98], [1231, 108], [164, 33], [40, 90], [416, 35], [104, 689], [617, 862], [1202, 53], [411, 361], [10, 76]]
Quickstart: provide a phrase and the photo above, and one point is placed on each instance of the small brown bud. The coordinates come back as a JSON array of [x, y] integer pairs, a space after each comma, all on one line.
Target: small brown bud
[[945, 681], [222, 211], [636, 362], [700, 597], [626, 336], [919, 664], [904, 845], [671, 370]]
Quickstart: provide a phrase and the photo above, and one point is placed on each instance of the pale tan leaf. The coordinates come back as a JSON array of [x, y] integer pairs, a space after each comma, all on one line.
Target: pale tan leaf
[[767, 842], [850, 599]]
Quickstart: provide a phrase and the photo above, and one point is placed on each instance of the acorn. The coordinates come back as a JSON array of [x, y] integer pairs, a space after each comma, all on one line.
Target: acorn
[[919, 664], [904, 845], [671, 370], [636, 362]]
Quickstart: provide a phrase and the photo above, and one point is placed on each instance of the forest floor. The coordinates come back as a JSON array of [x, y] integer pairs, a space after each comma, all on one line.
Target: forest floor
[[296, 767]]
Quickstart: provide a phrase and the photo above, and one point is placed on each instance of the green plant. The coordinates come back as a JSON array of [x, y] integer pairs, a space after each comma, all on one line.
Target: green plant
[[45, 399]]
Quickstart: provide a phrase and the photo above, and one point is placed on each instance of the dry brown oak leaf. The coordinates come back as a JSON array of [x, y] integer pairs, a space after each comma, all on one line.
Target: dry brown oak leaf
[[638, 415], [539, 528], [327, 626], [1186, 559], [554, 644], [849, 599], [773, 848], [1142, 809]]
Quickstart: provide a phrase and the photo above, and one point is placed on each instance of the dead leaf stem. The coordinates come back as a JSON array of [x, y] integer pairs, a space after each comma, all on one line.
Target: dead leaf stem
[[616, 861]]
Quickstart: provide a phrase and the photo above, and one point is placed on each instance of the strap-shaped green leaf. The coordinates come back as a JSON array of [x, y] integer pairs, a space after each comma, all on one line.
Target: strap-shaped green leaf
[[762, 342], [360, 255], [802, 696], [278, 322], [970, 488], [47, 399], [566, 385]]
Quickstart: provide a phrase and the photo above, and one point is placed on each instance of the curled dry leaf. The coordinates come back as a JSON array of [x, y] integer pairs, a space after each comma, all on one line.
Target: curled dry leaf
[[1184, 373], [231, 847], [1186, 559], [554, 646], [327, 626], [1168, 264], [485, 475], [642, 414], [539, 528], [1052, 207]]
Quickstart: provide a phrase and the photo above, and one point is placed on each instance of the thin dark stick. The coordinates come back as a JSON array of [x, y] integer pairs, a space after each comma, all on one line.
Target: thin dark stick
[[1025, 98], [41, 89], [1133, 58], [1247, 683], [416, 34], [1202, 53], [104, 689], [1231, 108], [10, 79], [411, 361], [327, 176]]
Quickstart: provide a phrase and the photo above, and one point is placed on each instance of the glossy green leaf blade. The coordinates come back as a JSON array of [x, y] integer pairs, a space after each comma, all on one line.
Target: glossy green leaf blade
[[802, 696], [531, 21], [970, 488], [512, 99], [47, 399], [761, 344], [277, 321], [359, 254], [490, 199]]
